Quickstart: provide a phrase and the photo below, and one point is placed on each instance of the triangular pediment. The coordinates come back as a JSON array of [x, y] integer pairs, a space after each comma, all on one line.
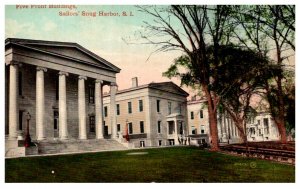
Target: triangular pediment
[[66, 50], [169, 87]]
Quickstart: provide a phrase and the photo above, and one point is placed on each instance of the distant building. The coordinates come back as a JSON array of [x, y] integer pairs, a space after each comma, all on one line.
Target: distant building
[[153, 114], [260, 128], [198, 121]]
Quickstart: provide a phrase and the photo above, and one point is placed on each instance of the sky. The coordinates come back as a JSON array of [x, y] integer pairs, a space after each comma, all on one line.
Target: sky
[[113, 38]]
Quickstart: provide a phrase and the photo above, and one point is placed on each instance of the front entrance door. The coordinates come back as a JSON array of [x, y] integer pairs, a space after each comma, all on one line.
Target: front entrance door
[[56, 124], [105, 130]]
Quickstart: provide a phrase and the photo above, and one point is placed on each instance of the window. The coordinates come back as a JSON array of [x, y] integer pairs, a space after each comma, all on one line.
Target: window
[[105, 111], [129, 108], [142, 126], [192, 115], [91, 95], [266, 125], [159, 142], [169, 107], [118, 109], [56, 117], [92, 123], [118, 127], [266, 122], [194, 130], [258, 122], [157, 105], [20, 83], [20, 120], [158, 127], [130, 131], [57, 89], [201, 114], [202, 129], [141, 105]]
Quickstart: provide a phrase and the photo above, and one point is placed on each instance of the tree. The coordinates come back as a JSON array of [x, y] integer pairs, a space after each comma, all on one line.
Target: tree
[[191, 29], [270, 29], [237, 79], [242, 73]]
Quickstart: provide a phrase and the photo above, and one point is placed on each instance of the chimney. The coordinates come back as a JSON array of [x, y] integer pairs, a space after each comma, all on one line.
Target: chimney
[[134, 82]]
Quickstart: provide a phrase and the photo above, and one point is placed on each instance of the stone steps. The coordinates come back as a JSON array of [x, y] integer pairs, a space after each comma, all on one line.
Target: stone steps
[[54, 147]]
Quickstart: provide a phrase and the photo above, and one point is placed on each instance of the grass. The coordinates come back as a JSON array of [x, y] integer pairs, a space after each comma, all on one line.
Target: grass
[[178, 164]]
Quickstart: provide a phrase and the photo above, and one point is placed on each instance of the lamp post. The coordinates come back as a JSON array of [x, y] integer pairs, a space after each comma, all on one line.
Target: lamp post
[[27, 137]]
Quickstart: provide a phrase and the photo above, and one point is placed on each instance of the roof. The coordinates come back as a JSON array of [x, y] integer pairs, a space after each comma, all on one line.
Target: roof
[[58, 48], [163, 86], [196, 101]]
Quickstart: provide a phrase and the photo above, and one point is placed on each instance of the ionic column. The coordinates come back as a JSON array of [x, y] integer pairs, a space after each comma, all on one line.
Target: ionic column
[[99, 109], [81, 108], [63, 127], [40, 103], [13, 100], [113, 91]]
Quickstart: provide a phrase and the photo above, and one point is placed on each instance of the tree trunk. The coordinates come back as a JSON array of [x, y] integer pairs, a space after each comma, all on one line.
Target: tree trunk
[[213, 121], [282, 131]]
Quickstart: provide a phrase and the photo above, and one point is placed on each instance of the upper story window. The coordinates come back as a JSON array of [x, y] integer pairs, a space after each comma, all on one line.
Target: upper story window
[[201, 114], [118, 127], [158, 127], [142, 127], [57, 88], [130, 129], [129, 107], [141, 105], [192, 115], [118, 109], [91, 95], [266, 122], [169, 107], [158, 105], [105, 111], [20, 83]]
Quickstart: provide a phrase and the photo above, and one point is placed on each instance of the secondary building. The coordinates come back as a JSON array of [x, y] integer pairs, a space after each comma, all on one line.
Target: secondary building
[[154, 114], [259, 128]]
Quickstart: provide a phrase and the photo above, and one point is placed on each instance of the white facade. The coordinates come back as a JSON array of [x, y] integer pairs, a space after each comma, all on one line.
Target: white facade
[[262, 128], [51, 81], [153, 114]]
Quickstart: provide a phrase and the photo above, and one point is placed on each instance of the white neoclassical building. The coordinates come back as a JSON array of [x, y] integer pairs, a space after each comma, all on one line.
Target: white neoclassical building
[[60, 85], [153, 114], [259, 128]]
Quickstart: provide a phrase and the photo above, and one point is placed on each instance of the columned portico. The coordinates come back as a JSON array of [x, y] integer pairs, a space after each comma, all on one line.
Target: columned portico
[[13, 100], [99, 109], [113, 91], [81, 108], [40, 103], [63, 127]]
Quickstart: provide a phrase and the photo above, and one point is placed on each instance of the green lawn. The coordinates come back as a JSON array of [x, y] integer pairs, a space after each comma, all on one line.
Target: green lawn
[[178, 164]]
